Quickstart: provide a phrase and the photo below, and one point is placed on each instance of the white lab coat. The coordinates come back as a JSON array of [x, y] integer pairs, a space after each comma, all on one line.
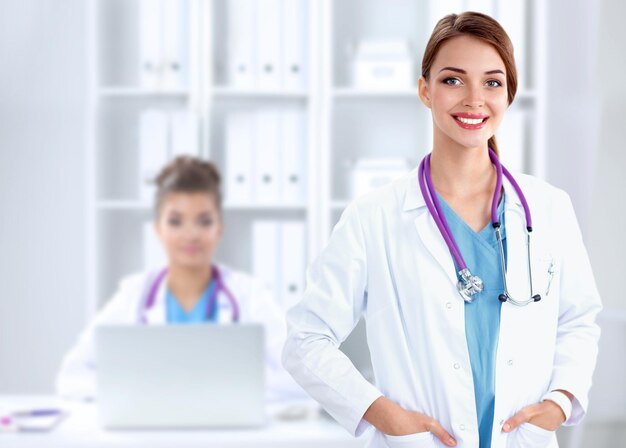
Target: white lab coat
[[387, 262], [77, 376]]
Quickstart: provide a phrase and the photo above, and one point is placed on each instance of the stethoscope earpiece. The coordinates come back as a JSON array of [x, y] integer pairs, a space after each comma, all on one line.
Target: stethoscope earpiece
[[536, 297], [502, 298]]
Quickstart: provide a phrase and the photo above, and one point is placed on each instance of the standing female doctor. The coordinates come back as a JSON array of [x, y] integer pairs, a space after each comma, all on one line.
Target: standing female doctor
[[191, 289], [476, 287]]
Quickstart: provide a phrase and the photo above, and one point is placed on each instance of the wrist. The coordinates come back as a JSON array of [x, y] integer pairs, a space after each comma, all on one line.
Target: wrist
[[562, 400]]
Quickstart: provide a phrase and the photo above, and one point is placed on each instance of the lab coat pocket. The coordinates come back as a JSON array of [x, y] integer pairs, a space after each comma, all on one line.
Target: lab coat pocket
[[529, 435], [417, 440], [546, 271]]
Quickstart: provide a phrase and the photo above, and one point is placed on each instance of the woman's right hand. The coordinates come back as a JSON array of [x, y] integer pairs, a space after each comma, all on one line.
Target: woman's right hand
[[392, 419]]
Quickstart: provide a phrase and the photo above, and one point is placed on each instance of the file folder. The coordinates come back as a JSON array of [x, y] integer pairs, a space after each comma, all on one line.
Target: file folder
[[184, 134], [239, 134], [268, 37], [292, 263], [294, 38], [153, 150], [266, 166], [293, 158], [150, 16], [174, 43], [266, 254], [241, 20]]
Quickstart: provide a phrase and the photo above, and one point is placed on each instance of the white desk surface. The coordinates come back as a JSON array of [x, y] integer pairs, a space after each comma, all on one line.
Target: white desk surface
[[80, 429]]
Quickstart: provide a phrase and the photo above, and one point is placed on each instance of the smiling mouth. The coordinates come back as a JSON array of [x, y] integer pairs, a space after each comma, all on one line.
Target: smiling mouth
[[470, 121]]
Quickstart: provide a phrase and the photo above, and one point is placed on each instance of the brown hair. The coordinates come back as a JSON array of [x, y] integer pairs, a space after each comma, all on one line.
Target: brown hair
[[186, 174], [482, 27]]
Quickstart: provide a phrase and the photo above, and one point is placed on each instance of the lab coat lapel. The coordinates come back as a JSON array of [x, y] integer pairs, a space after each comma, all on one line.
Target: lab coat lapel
[[516, 244], [156, 314], [427, 228]]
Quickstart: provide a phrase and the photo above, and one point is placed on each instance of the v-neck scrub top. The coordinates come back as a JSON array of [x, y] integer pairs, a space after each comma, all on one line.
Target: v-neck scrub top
[[482, 316]]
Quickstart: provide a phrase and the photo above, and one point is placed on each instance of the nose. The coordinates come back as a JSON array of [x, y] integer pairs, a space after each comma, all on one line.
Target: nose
[[474, 97]]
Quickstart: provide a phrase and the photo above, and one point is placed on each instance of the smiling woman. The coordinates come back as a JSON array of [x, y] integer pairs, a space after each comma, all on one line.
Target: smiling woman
[[475, 340], [192, 288]]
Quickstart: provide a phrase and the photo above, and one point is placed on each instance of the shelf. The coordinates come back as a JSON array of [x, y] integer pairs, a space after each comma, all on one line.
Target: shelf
[[260, 208], [231, 92], [135, 92], [124, 205], [350, 92]]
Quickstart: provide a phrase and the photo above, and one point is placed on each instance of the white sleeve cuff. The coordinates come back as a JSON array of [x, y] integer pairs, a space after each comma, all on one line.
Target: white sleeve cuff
[[561, 400]]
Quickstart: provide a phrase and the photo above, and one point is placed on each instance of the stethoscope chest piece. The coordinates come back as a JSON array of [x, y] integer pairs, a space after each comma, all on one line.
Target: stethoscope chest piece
[[469, 285]]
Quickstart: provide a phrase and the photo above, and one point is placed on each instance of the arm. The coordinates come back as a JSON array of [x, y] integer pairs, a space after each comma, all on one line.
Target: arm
[[265, 310], [577, 333], [334, 302], [76, 379]]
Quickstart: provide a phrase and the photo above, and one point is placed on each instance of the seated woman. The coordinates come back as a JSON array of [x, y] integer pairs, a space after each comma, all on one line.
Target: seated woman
[[191, 289]]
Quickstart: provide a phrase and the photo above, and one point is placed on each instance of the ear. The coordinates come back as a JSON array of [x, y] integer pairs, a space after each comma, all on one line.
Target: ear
[[423, 90]]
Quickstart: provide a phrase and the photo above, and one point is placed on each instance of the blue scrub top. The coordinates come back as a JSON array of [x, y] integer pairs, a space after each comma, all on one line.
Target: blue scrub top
[[482, 316], [177, 315]]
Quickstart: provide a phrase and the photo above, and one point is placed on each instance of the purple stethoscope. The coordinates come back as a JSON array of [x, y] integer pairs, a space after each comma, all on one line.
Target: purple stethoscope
[[470, 284], [211, 303]]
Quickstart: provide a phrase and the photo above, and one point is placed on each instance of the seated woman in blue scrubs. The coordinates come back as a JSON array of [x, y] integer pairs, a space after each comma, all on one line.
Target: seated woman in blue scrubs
[[192, 288]]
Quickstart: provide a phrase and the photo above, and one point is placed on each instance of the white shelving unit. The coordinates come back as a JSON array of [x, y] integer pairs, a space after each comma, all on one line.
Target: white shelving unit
[[343, 123]]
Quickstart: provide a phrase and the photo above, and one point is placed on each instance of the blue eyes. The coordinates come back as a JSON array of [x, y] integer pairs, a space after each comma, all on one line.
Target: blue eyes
[[457, 82], [451, 81], [494, 83]]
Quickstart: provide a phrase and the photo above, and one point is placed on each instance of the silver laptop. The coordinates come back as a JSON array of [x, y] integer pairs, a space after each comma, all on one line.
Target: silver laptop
[[180, 376]]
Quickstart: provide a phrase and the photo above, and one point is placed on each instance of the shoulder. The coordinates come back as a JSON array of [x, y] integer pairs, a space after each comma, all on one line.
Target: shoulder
[[241, 283], [137, 281], [386, 199], [132, 288], [541, 192]]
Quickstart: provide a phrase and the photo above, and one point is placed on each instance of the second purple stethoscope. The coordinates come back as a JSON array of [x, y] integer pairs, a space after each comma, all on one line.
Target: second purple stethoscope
[[470, 284], [148, 303]]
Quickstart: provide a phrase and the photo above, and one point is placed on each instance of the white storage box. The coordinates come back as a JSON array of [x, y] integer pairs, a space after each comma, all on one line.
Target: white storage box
[[369, 174], [380, 64]]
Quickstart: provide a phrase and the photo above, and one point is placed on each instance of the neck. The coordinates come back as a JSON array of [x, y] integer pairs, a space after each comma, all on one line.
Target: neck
[[188, 284], [459, 172]]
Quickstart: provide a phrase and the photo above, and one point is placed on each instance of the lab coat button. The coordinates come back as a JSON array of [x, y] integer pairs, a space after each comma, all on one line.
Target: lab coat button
[[509, 362], [462, 427], [449, 305], [457, 366]]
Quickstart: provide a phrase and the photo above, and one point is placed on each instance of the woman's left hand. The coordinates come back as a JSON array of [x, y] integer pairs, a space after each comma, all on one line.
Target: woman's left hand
[[547, 415]]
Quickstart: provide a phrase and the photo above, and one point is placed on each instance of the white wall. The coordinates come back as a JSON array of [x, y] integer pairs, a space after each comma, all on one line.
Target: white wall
[[587, 157], [42, 88]]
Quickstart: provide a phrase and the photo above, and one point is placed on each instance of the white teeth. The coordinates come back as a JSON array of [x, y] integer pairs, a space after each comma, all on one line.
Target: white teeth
[[470, 120]]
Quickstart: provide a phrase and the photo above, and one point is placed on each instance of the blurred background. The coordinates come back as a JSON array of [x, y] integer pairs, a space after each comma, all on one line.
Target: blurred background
[[304, 105]]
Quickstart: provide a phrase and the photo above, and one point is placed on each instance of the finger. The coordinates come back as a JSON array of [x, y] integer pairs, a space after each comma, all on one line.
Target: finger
[[522, 416], [437, 430]]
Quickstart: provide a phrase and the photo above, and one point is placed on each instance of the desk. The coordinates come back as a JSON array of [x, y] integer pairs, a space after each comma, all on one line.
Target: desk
[[80, 429]]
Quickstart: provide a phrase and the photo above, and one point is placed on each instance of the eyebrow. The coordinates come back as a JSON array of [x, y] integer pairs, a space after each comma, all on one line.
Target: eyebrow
[[460, 70]]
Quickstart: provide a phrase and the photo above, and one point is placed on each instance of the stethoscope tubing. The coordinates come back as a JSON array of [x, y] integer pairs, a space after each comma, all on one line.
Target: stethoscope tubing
[[150, 300], [432, 203]]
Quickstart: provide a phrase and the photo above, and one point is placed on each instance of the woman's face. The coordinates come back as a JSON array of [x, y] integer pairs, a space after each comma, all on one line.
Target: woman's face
[[466, 92], [189, 226]]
